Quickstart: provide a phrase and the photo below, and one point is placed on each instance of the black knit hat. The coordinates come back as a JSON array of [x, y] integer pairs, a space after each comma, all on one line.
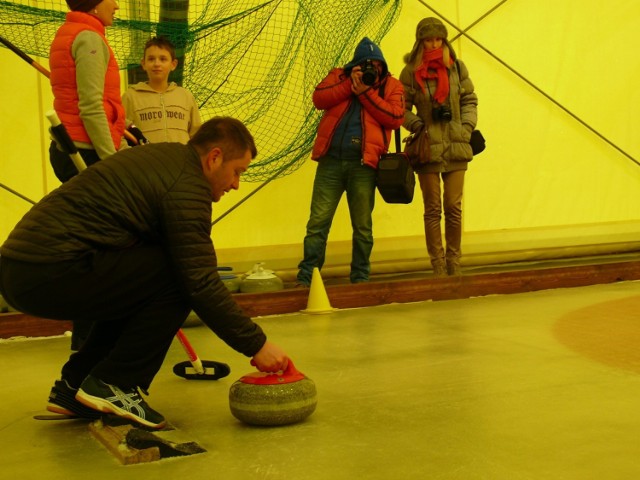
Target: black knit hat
[[82, 5]]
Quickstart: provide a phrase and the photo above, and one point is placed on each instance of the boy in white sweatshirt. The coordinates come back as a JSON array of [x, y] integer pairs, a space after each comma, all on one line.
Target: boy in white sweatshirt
[[164, 111]]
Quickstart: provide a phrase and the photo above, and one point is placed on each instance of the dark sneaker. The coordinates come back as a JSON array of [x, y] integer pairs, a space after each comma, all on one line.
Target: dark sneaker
[[453, 269], [62, 400], [125, 403], [439, 270]]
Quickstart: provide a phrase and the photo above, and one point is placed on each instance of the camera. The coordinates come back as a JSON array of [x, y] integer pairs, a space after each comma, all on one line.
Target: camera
[[369, 73], [441, 113]]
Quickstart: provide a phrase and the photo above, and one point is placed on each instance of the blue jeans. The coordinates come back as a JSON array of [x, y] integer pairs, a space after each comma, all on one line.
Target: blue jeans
[[333, 178]]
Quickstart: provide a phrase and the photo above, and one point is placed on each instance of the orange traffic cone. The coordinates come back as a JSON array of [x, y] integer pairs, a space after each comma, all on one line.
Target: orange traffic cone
[[318, 300]]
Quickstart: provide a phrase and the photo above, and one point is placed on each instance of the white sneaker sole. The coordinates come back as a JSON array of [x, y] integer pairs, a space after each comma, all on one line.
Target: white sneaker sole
[[103, 405]]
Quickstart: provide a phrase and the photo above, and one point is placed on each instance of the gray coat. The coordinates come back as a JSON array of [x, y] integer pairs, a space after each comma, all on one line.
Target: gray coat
[[154, 194], [448, 141]]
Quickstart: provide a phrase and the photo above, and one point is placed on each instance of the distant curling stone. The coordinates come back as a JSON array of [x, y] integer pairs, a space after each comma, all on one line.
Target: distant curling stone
[[272, 399], [259, 280]]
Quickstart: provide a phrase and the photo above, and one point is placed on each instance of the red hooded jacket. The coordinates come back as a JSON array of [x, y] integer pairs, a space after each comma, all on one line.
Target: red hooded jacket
[[380, 115]]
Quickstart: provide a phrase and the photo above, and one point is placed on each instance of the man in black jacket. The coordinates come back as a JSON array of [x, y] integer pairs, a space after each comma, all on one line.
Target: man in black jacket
[[126, 245]]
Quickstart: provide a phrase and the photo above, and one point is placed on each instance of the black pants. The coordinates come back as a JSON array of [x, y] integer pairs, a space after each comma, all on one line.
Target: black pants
[[63, 166], [130, 297], [65, 169]]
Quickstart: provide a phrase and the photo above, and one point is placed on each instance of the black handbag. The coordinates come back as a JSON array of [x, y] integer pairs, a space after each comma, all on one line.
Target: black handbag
[[395, 178], [477, 142]]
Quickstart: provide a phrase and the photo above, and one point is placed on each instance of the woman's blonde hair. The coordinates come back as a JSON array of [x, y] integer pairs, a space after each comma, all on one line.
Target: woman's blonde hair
[[414, 58]]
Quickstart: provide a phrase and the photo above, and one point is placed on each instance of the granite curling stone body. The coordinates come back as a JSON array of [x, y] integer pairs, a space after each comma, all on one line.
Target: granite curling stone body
[[273, 399], [259, 280]]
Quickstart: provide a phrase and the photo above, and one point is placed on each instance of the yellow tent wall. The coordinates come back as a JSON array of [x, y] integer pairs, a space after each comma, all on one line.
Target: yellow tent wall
[[556, 82]]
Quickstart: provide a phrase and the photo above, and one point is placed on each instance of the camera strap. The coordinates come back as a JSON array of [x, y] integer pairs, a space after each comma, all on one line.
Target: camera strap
[[381, 88]]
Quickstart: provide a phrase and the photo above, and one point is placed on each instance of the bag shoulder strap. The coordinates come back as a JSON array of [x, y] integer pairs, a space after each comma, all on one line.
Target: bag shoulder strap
[[397, 136], [397, 130]]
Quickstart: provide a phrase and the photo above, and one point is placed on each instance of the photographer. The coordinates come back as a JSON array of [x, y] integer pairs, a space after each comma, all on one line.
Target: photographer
[[362, 104], [439, 87]]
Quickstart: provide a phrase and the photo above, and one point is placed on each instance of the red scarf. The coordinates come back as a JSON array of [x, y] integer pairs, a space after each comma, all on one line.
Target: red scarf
[[432, 66]]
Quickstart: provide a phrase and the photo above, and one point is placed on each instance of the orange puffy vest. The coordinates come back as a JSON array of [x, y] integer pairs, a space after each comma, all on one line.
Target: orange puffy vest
[[65, 88]]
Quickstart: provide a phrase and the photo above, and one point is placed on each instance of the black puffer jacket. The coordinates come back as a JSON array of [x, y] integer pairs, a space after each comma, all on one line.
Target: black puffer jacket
[[154, 194]]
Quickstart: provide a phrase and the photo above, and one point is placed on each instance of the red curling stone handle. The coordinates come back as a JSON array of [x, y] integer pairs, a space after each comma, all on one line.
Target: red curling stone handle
[[290, 375]]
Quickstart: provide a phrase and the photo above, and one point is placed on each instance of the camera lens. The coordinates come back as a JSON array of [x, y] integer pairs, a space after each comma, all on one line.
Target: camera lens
[[369, 78], [369, 73]]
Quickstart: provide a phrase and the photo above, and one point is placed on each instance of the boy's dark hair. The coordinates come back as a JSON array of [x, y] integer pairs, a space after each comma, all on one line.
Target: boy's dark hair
[[161, 42], [228, 134]]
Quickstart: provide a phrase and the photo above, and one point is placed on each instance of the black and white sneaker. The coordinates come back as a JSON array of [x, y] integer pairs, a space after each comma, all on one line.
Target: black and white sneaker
[[125, 403], [62, 400]]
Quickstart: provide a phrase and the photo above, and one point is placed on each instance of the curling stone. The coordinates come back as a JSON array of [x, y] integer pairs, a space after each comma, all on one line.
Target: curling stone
[[261, 280], [273, 399], [256, 268], [231, 281]]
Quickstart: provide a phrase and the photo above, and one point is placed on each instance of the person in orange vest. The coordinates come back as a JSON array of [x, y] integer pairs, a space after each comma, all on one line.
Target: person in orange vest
[[85, 80]]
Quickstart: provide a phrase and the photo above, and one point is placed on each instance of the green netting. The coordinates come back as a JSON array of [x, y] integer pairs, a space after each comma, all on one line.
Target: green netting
[[256, 61]]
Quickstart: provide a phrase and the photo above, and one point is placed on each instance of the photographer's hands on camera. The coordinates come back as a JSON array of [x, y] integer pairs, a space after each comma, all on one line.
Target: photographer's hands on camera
[[357, 85], [364, 76]]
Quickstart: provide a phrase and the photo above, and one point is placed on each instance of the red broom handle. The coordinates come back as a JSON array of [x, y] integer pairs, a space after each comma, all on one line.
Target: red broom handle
[[191, 353]]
